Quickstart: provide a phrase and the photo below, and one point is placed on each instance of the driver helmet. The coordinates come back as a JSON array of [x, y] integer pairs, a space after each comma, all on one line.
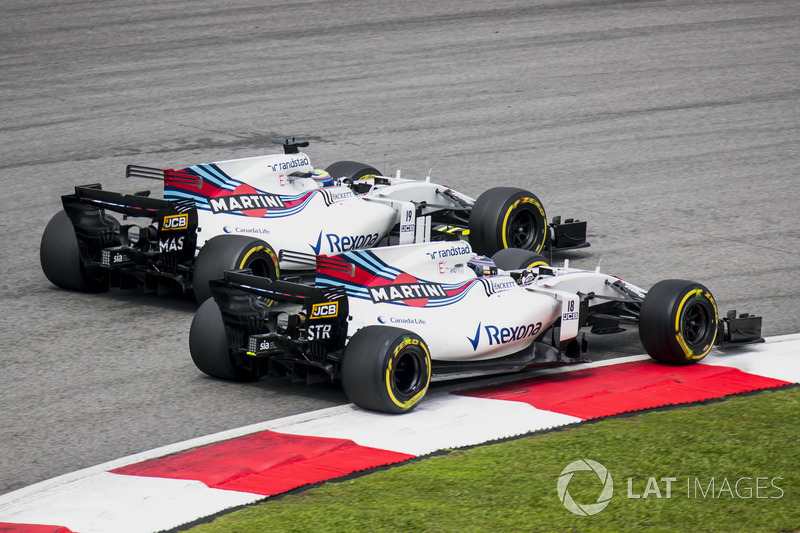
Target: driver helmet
[[322, 178]]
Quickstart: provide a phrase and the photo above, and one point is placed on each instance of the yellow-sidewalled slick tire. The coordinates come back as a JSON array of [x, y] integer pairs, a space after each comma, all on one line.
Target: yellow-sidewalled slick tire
[[231, 252], [507, 217], [678, 322], [518, 259], [386, 369], [352, 170]]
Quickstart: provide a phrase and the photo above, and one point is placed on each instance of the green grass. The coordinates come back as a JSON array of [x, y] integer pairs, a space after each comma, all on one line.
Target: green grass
[[511, 486]]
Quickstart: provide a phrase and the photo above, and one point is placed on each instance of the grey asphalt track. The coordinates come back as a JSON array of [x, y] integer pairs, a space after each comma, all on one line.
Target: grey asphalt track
[[673, 127]]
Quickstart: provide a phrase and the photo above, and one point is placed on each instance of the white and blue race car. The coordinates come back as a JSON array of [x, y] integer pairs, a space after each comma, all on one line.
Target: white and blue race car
[[385, 321], [243, 213]]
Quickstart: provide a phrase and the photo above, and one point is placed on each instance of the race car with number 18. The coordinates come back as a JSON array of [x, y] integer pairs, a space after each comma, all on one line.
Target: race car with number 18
[[384, 321]]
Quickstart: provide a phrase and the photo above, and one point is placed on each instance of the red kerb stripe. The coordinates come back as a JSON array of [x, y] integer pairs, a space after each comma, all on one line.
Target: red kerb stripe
[[610, 390], [266, 463], [7, 527]]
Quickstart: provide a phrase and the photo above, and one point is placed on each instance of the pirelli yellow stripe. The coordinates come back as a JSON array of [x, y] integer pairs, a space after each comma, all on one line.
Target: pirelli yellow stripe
[[679, 336], [268, 250], [250, 252], [523, 200], [417, 397], [271, 253], [538, 263]]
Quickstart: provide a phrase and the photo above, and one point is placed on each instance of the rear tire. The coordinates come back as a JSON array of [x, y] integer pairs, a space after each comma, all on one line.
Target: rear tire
[[232, 252], [678, 322], [61, 259], [386, 369], [507, 217], [208, 345], [353, 170], [518, 259]]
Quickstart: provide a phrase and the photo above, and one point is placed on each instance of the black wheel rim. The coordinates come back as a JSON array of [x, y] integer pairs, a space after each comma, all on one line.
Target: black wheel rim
[[407, 374], [261, 267], [522, 229], [695, 324]]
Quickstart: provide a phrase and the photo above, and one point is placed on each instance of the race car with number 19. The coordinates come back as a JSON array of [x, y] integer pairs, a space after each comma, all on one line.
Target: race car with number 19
[[242, 213]]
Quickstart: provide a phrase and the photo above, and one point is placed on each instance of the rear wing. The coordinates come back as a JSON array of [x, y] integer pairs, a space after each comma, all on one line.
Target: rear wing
[[135, 205], [172, 236], [321, 327], [275, 289]]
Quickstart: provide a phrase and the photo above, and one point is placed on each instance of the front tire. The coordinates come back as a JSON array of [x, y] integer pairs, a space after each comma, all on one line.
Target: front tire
[[231, 252], [507, 217], [352, 170], [386, 369], [518, 259], [61, 259], [678, 322], [208, 345]]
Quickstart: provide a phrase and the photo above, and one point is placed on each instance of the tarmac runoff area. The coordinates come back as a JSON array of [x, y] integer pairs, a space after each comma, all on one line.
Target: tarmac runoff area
[[174, 485]]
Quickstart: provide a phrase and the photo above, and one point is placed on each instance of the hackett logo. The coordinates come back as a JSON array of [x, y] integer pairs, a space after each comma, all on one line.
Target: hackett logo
[[243, 202]]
